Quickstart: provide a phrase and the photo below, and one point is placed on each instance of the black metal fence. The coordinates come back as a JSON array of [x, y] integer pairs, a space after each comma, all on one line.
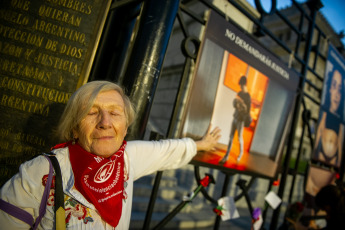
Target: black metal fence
[[133, 49]]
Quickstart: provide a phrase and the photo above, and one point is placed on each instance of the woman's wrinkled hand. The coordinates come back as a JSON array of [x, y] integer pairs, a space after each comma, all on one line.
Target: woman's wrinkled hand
[[209, 141]]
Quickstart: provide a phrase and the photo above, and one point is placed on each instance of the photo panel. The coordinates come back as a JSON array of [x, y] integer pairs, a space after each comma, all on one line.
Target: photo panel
[[330, 129], [248, 93]]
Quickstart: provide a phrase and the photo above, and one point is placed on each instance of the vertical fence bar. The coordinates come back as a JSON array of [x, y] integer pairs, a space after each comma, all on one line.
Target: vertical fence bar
[[314, 6], [146, 60]]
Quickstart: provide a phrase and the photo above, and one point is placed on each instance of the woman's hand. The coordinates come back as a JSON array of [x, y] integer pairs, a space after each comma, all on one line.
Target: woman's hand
[[209, 141]]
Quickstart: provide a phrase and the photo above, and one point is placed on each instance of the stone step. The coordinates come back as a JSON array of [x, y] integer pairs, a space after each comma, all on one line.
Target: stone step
[[140, 204], [166, 181], [202, 219], [176, 192]]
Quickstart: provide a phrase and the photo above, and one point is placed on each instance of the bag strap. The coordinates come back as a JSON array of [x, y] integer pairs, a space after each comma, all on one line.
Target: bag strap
[[44, 200], [16, 212], [24, 215], [58, 199], [59, 196]]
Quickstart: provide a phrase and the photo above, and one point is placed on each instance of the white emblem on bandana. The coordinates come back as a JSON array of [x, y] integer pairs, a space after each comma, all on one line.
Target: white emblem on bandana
[[104, 172]]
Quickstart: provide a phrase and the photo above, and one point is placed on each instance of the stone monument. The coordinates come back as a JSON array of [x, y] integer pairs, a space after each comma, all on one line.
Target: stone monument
[[46, 53]]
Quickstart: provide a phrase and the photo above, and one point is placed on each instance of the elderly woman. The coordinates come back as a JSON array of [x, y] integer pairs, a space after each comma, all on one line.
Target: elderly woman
[[98, 166]]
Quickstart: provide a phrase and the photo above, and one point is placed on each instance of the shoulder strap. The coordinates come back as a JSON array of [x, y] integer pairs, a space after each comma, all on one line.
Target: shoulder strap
[[45, 196], [16, 212], [24, 215], [59, 196]]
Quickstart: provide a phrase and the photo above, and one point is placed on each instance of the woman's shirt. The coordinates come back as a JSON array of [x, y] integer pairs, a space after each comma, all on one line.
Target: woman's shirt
[[142, 158]]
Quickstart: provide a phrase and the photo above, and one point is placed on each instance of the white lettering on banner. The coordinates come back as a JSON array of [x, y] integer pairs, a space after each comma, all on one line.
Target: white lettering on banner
[[256, 53]]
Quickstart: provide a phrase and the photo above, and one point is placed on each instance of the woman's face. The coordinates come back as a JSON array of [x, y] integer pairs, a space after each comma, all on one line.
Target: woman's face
[[335, 91], [104, 128]]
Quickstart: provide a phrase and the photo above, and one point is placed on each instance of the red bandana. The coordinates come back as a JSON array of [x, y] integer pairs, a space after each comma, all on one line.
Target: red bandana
[[100, 180]]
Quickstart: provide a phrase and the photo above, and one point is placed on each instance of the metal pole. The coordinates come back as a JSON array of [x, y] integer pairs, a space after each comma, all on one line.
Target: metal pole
[[113, 47], [143, 69], [314, 6], [208, 179], [154, 194], [294, 171], [147, 55]]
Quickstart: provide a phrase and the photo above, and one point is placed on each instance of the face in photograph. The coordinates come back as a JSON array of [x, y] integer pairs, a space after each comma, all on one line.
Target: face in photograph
[[335, 92]]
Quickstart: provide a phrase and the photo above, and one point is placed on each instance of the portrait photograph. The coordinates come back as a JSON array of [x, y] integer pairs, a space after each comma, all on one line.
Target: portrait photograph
[[330, 129]]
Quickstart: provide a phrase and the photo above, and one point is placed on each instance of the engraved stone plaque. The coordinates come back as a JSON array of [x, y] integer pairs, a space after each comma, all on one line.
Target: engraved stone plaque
[[46, 52]]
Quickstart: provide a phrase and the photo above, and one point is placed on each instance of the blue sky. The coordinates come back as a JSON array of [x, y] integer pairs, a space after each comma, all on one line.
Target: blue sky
[[333, 10]]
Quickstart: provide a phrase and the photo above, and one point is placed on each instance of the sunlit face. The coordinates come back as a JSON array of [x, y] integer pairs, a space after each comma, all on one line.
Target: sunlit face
[[104, 128], [335, 91]]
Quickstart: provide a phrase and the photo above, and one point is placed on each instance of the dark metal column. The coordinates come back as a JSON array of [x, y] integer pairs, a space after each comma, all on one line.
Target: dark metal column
[[147, 55], [112, 50], [314, 6]]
